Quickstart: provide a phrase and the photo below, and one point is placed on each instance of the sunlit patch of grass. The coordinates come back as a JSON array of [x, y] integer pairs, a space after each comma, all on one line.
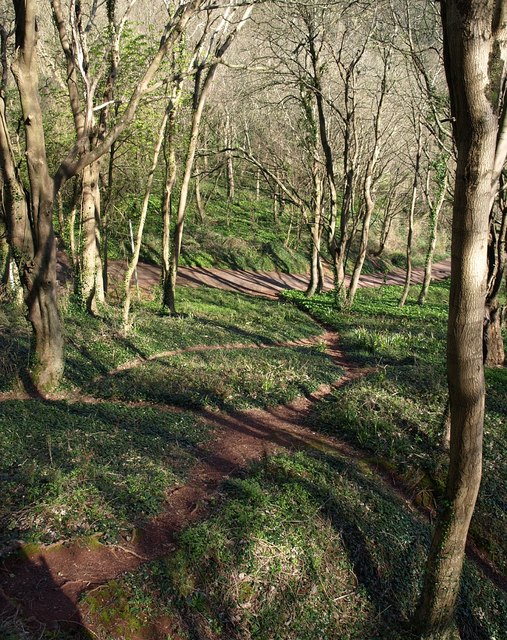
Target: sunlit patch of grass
[[378, 331], [209, 317], [73, 469], [233, 379]]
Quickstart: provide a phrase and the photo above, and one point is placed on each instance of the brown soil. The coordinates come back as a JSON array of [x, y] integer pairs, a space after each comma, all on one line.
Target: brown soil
[[267, 284]]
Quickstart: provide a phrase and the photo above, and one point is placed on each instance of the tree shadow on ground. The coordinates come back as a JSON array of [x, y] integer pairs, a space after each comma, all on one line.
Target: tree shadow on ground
[[166, 380], [100, 458], [14, 353], [38, 606], [386, 547]]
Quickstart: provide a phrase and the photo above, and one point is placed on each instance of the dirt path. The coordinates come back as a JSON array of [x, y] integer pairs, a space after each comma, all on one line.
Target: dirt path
[[267, 284], [45, 587]]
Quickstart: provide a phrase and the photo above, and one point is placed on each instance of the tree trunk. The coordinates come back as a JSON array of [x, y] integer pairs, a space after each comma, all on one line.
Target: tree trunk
[[91, 278], [200, 96], [335, 246], [170, 179], [316, 280], [182, 203], [166, 232], [198, 199], [493, 348], [410, 235], [106, 218], [170, 289], [494, 354], [428, 263], [29, 218], [139, 236], [473, 61], [369, 199], [61, 222], [4, 250], [365, 230], [229, 167], [73, 241]]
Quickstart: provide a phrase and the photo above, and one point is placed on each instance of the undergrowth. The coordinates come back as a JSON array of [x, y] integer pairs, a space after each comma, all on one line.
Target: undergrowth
[[223, 379], [303, 547], [242, 234], [398, 413], [85, 469], [208, 317]]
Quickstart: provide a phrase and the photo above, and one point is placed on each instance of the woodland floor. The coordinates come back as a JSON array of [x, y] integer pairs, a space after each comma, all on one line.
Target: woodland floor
[[43, 585]]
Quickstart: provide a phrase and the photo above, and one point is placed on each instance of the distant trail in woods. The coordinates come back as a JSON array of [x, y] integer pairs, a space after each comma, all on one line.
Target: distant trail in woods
[[267, 284]]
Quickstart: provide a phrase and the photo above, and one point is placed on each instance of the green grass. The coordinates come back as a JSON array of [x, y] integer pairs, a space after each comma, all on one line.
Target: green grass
[[378, 331], [300, 547], [235, 235], [223, 379], [303, 547], [398, 413], [77, 469], [94, 346], [211, 317]]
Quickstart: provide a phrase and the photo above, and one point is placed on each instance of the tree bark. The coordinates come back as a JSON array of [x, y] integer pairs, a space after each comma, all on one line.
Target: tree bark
[[231, 190], [90, 272], [368, 193], [369, 201], [29, 217], [139, 236], [411, 213], [182, 203], [474, 51], [494, 353], [435, 210], [316, 278], [166, 207]]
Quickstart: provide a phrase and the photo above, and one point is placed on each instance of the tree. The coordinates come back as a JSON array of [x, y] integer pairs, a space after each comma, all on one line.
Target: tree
[[29, 205], [435, 204], [207, 59], [416, 25], [371, 173], [475, 55], [413, 201], [494, 354]]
